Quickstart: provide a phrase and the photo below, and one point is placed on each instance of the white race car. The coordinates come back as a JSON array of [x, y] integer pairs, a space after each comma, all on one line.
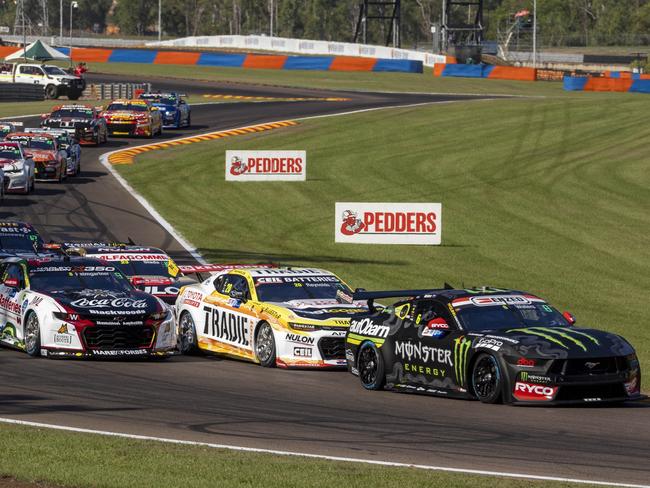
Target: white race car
[[78, 307], [286, 317], [18, 167]]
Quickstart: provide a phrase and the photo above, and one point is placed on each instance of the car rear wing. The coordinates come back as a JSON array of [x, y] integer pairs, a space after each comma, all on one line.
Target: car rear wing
[[201, 270], [371, 296]]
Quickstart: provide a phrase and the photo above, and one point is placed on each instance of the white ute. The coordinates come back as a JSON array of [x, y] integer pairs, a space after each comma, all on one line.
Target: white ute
[[56, 81]]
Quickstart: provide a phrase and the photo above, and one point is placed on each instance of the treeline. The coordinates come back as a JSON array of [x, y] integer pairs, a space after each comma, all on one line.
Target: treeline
[[561, 22]]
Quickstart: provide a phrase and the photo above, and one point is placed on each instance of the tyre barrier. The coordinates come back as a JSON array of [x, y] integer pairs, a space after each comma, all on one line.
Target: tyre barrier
[[21, 92], [485, 71], [603, 84], [112, 91], [127, 156], [243, 60]]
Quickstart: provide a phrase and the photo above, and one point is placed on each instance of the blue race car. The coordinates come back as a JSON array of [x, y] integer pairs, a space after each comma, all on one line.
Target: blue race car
[[175, 111]]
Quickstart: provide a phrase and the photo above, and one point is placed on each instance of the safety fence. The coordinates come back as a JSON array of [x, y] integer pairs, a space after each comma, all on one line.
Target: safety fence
[[232, 60], [485, 71], [21, 92], [310, 47], [605, 84]]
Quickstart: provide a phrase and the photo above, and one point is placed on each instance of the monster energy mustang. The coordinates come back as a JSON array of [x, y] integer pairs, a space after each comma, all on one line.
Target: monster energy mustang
[[494, 345]]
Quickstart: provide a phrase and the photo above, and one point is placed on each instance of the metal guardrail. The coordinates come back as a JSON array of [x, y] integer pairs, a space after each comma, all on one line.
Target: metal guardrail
[[21, 92], [112, 91]]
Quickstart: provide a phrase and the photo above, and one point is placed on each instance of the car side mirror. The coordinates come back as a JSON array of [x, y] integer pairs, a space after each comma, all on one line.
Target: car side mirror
[[12, 283], [238, 295], [438, 323], [569, 318]]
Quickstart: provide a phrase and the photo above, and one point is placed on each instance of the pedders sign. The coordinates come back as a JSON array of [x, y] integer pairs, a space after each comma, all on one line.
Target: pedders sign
[[266, 165], [388, 223]]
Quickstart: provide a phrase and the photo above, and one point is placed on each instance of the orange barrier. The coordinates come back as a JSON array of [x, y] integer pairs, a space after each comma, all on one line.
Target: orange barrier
[[346, 63], [7, 50], [438, 69], [512, 73], [171, 57], [264, 61], [609, 84], [90, 55]]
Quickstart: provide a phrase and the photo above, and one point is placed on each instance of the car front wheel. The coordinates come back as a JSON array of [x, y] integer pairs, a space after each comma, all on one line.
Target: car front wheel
[[370, 364], [487, 379]]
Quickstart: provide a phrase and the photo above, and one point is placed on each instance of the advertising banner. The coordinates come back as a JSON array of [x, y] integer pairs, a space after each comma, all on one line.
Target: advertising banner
[[388, 223], [266, 165]]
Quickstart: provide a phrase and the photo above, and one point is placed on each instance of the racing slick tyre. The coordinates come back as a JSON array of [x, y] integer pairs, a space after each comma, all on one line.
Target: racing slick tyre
[[265, 346], [187, 340], [487, 379], [51, 92], [370, 365], [32, 335]]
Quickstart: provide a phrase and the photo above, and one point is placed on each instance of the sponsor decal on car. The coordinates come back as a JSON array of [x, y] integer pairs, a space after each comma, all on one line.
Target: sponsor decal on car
[[365, 327], [302, 352], [461, 351], [388, 223], [531, 392], [427, 354], [300, 339], [226, 326], [266, 165]]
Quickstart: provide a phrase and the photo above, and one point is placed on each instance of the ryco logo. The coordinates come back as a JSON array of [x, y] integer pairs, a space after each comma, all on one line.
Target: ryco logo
[[531, 392]]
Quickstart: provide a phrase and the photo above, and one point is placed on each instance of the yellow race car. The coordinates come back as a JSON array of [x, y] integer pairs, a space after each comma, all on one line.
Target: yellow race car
[[133, 118], [285, 317]]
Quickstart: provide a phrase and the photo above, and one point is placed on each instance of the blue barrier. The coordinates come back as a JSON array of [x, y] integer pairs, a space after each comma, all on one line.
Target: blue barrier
[[398, 65], [464, 70], [574, 84], [132, 56], [226, 60], [640, 86], [321, 63]]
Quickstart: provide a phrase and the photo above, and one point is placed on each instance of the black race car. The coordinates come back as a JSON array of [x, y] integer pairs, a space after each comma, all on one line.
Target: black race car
[[491, 344], [82, 121], [23, 240]]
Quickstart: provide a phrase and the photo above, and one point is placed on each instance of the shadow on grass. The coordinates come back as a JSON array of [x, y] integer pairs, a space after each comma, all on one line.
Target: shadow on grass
[[243, 256]]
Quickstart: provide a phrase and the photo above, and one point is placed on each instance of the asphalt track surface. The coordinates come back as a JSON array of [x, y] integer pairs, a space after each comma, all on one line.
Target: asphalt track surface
[[322, 412]]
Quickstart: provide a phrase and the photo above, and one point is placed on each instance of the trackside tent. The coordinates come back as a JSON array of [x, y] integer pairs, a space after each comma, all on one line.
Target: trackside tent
[[38, 51]]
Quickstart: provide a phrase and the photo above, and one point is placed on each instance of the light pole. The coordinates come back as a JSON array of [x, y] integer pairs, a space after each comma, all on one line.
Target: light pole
[[60, 22], [534, 33], [272, 15], [72, 5], [24, 32], [159, 20]]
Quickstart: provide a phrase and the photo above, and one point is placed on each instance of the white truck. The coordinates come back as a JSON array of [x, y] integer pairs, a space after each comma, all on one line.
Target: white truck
[[55, 81]]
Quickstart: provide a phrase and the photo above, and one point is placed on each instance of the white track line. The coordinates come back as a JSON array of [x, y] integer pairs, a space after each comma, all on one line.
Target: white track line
[[503, 474]]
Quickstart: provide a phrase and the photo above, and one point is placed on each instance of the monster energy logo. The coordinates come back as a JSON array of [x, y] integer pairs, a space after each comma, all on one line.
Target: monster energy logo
[[559, 336], [461, 350], [533, 378]]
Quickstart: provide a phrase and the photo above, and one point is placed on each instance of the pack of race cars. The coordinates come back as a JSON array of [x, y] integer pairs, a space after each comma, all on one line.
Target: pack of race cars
[[110, 300], [53, 150]]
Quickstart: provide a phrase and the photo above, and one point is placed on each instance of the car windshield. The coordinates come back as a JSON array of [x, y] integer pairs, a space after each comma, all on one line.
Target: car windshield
[[35, 142], [17, 241], [9, 152], [53, 70], [142, 265], [498, 316], [162, 100], [52, 277], [288, 288], [129, 107], [77, 113]]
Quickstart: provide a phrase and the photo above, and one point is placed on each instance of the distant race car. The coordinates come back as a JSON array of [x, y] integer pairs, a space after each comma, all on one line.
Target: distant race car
[[50, 159], [18, 167], [7, 128], [79, 307], [81, 121], [286, 317], [494, 345], [133, 118], [20, 239], [148, 268], [175, 111], [66, 142]]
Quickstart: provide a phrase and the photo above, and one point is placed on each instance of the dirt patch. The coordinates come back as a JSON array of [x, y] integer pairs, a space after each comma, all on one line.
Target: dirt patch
[[13, 483]]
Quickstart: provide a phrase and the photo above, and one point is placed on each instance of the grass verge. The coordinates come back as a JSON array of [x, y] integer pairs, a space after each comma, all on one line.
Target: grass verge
[[550, 196], [86, 460]]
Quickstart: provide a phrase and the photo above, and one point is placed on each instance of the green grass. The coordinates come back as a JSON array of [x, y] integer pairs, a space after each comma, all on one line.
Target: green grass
[[84, 460], [409, 82], [550, 196]]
